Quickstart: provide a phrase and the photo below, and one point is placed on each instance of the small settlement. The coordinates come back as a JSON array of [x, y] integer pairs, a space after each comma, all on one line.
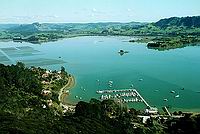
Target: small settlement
[[54, 84]]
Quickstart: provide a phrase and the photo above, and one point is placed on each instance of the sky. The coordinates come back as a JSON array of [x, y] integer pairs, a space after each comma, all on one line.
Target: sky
[[83, 11]]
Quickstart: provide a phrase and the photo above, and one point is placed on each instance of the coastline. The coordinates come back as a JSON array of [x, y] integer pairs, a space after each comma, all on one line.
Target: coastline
[[186, 110], [62, 93]]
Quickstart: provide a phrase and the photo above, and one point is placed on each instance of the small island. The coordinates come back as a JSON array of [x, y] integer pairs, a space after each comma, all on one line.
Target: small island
[[169, 42], [122, 52], [39, 38]]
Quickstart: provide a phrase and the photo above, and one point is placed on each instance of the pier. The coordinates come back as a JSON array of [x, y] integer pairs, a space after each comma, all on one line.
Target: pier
[[142, 99], [121, 93], [167, 111], [115, 90]]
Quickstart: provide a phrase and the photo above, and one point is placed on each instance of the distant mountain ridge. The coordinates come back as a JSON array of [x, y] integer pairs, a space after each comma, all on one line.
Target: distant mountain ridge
[[188, 22], [7, 26], [170, 26], [26, 28], [37, 27]]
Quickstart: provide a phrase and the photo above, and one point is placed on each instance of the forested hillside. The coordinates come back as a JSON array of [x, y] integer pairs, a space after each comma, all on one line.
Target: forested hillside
[[188, 22]]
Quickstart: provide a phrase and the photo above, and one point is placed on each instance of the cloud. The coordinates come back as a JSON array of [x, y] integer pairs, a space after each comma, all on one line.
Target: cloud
[[30, 19], [130, 13], [94, 10], [129, 10]]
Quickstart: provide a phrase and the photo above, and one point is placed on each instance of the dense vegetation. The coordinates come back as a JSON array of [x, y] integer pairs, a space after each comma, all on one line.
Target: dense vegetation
[[176, 21], [22, 111]]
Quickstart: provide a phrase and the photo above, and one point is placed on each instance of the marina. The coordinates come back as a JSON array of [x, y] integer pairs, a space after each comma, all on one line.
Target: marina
[[122, 95]]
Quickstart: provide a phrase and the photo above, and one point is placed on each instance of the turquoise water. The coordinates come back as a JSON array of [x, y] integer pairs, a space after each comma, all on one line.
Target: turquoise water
[[92, 58]]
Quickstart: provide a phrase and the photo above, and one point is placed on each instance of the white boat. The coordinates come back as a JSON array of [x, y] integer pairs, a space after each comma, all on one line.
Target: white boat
[[177, 96], [173, 91], [110, 82], [99, 91], [140, 79], [165, 99]]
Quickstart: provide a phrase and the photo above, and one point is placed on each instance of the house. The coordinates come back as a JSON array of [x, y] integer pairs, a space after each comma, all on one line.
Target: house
[[151, 111], [46, 92], [144, 118]]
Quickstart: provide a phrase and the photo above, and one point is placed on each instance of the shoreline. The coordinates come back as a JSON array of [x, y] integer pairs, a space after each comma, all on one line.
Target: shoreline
[[68, 37], [62, 93], [186, 110]]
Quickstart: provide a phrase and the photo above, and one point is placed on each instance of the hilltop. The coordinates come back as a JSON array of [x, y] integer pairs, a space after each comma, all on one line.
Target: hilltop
[[188, 22]]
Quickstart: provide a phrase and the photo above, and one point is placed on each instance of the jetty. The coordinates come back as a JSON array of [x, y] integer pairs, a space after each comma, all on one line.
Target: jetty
[[124, 95], [142, 99], [167, 111], [115, 90]]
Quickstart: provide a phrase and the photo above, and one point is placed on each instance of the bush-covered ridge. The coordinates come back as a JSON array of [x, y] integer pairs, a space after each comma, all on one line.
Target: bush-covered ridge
[[45, 32], [179, 22]]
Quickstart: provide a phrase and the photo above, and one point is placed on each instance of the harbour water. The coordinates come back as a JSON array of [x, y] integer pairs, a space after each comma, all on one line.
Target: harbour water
[[94, 61]]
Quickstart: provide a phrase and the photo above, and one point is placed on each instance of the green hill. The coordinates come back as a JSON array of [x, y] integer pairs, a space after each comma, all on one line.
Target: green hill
[[25, 29], [4, 27], [188, 22], [37, 27], [184, 27]]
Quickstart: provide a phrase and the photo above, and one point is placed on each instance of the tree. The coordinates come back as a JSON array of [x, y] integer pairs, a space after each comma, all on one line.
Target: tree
[[62, 69], [20, 65]]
